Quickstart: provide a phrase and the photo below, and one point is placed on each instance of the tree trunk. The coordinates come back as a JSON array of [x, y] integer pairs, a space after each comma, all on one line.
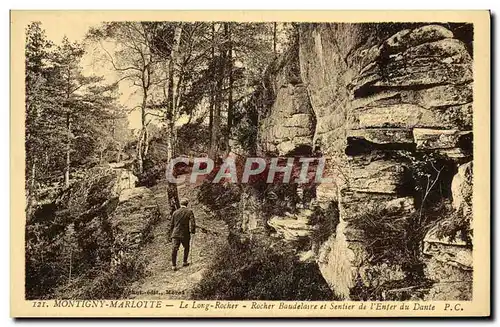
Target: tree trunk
[[217, 106], [33, 177], [141, 141], [274, 38], [68, 150], [172, 193], [173, 101], [230, 88], [211, 150], [119, 153]]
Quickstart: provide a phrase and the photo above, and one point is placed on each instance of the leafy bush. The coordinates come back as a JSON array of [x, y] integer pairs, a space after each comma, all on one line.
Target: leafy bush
[[152, 173], [253, 271], [218, 196], [45, 267], [396, 240], [394, 290], [104, 282], [326, 221], [279, 198], [388, 235]]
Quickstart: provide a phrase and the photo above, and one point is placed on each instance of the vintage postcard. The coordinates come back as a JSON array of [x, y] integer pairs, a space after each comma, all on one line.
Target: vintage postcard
[[250, 163]]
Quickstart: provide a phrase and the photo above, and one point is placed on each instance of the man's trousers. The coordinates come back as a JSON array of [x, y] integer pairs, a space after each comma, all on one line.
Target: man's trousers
[[176, 243]]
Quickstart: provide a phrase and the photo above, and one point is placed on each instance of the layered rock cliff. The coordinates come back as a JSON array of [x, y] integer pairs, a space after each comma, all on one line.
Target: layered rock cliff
[[390, 107]]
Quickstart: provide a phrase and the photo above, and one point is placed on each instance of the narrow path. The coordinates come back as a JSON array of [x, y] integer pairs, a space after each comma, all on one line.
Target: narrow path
[[160, 281]]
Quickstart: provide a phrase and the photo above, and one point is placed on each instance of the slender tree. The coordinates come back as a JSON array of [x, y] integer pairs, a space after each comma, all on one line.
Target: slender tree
[[37, 52], [230, 109], [72, 88], [174, 82], [135, 62]]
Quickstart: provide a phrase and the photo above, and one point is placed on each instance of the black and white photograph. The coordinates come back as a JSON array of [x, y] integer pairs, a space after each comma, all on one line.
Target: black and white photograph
[[256, 165]]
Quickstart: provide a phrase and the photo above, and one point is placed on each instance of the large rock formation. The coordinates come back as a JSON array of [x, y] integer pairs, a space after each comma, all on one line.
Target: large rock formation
[[291, 123], [110, 213], [377, 101]]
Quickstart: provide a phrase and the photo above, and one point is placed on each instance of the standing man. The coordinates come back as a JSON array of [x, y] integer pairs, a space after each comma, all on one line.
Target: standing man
[[181, 228]]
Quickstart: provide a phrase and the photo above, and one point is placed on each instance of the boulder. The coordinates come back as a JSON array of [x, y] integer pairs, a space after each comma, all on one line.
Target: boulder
[[415, 72], [298, 120], [307, 256], [326, 193], [289, 124], [352, 203], [372, 92], [440, 96], [94, 194], [409, 38], [293, 227], [455, 154], [329, 123], [461, 189], [132, 221], [447, 50], [378, 176], [449, 282], [126, 180], [455, 252], [424, 56]]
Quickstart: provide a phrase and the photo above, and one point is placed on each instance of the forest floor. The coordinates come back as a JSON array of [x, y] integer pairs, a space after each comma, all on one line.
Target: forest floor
[[160, 281]]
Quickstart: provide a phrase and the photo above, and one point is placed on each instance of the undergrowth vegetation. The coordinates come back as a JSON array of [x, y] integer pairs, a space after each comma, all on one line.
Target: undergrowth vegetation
[[253, 271], [104, 281], [70, 244], [326, 221]]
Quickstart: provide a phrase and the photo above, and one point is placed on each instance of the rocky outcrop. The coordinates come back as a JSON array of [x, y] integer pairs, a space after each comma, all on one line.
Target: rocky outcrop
[[449, 282], [410, 92], [461, 188], [132, 221], [454, 252], [251, 212], [377, 101], [291, 122], [449, 257], [293, 227], [110, 211]]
